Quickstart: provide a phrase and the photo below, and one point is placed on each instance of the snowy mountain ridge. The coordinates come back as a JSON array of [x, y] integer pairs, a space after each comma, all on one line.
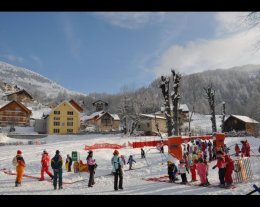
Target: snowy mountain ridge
[[31, 81]]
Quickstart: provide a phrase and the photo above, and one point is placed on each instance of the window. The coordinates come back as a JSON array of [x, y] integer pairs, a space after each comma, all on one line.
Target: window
[[70, 118], [106, 121], [56, 123], [69, 130], [56, 131], [148, 124], [69, 123], [57, 112], [70, 112], [139, 126], [57, 118]]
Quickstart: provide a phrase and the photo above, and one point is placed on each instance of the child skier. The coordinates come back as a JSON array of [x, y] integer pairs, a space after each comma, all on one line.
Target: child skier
[[45, 165], [69, 163], [222, 168], [19, 162], [130, 162], [237, 150], [182, 170], [202, 171], [172, 171], [229, 170], [193, 167], [142, 153]]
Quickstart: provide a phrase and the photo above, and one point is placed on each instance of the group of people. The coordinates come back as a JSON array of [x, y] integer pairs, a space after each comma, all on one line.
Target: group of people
[[56, 163], [195, 161]]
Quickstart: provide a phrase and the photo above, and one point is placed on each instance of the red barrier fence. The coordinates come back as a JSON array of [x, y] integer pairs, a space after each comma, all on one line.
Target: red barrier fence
[[104, 146], [149, 143]]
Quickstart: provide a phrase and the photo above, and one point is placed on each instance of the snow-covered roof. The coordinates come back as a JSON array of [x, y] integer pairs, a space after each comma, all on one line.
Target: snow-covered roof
[[245, 119], [115, 117], [152, 116], [91, 116], [184, 107]]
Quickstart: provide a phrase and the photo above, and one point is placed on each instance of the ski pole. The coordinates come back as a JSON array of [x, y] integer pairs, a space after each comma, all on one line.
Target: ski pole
[[256, 189]]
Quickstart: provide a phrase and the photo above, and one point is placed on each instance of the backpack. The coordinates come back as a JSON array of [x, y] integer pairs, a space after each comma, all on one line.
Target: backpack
[[14, 161]]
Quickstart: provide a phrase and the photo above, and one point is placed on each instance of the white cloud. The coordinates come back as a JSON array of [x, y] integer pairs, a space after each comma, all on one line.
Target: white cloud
[[14, 58], [75, 43], [229, 22], [234, 50], [131, 20]]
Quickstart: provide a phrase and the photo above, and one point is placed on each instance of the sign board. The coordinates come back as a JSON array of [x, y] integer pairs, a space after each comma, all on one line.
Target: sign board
[[74, 156]]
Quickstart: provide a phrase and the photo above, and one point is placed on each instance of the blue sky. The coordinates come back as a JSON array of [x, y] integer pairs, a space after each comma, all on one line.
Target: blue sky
[[105, 51]]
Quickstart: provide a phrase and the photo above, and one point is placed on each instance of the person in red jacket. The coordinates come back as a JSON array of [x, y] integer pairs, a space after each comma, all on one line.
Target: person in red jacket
[[237, 150], [193, 167], [45, 165], [245, 148], [229, 170], [221, 168]]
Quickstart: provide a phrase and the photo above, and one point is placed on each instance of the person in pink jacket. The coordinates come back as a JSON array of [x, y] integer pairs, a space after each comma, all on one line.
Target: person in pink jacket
[[202, 172], [45, 165]]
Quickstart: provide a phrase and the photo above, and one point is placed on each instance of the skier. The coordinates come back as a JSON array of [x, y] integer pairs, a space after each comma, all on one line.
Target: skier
[[182, 170], [117, 164], [221, 166], [142, 153], [207, 171], [45, 165], [56, 164], [229, 170], [193, 167], [202, 172], [172, 171], [130, 162], [19, 162], [91, 168], [69, 162], [237, 150], [245, 148]]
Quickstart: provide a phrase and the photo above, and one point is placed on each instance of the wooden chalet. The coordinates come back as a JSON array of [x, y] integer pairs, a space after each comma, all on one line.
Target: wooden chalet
[[20, 96], [15, 113]]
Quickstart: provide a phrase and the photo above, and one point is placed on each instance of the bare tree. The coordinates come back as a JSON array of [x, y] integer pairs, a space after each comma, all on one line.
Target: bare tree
[[223, 116], [164, 85], [211, 99], [175, 96]]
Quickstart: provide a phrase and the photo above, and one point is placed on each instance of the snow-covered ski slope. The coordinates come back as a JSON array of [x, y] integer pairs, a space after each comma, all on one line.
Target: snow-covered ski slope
[[154, 166]]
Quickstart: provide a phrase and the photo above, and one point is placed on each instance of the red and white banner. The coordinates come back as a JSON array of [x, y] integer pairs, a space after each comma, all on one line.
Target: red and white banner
[[104, 146]]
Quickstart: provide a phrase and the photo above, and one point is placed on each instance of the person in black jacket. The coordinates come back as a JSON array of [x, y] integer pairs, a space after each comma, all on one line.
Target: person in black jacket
[[56, 164], [172, 171], [69, 161], [142, 153]]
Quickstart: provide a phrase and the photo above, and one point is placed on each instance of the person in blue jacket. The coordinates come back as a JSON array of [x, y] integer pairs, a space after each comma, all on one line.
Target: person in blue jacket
[[130, 161]]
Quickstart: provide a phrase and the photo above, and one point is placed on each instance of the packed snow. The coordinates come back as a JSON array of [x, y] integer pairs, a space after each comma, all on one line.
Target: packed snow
[[133, 182]]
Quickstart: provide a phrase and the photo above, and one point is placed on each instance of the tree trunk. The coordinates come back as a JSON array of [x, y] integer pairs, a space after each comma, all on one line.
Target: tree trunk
[[211, 98], [223, 117], [165, 91]]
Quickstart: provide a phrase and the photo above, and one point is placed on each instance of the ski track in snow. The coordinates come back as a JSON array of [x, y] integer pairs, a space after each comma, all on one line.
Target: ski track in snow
[[133, 182]]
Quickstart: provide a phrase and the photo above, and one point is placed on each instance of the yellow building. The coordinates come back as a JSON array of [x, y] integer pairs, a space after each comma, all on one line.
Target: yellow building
[[63, 119]]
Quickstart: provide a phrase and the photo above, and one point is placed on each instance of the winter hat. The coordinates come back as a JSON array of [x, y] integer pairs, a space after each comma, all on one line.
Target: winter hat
[[116, 152], [57, 152], [90, 152], [169, 162], [19, 152], [45, 151]]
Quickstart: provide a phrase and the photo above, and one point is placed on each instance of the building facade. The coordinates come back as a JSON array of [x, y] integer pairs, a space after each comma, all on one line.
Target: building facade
[[63, 119], [15, 113]]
